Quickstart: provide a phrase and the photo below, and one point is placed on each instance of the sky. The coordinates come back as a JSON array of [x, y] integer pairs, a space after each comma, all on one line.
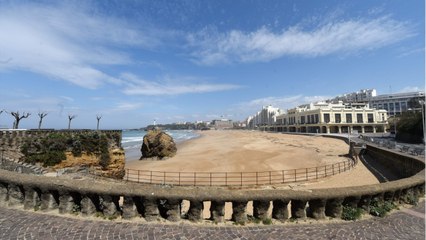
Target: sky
[[133, 62]]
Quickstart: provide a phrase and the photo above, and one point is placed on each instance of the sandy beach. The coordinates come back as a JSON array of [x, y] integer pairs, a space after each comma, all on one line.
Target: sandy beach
[[235, 151], [229, 151]]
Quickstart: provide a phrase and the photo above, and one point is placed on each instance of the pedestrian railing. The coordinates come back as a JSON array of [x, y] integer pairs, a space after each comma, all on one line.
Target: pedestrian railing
[[403, 148], [237, 178]]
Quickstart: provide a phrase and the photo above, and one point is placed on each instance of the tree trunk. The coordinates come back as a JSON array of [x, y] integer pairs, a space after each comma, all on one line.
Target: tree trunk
[[17, 123]]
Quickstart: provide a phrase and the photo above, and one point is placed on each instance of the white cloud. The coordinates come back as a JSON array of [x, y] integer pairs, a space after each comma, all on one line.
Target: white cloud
[[65, 42], [167, 86], [126, 106], [264, 45]]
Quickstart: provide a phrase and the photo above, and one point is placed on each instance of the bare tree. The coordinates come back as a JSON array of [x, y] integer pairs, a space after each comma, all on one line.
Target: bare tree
[[18, 117], [1, 111], [41, 115], [98, 118], [70, 118]]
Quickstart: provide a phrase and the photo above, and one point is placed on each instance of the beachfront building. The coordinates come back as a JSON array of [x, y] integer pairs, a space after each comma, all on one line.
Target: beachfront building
[[397, 103], [267, 116], [323, 117], [220, 124], [361, 96], [394, 104]]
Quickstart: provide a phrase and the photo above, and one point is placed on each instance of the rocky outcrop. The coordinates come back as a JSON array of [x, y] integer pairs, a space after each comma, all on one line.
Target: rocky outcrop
[[114, 168], [157, 144]]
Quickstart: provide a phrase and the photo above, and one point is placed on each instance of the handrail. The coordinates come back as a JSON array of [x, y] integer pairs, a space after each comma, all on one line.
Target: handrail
[[237, 178]]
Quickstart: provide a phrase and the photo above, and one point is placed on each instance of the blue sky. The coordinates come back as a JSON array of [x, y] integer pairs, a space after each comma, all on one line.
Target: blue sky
[[136, 61]]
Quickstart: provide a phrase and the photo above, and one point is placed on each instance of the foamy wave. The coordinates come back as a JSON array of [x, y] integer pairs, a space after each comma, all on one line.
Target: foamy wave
[[132, 139], [132, 146]]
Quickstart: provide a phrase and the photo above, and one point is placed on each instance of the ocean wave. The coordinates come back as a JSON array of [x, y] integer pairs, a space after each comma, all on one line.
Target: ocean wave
[[132, 139], [136, 137], [132, 146]]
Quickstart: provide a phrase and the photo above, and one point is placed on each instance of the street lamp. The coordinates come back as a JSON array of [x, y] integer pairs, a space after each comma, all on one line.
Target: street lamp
[[422, 102]]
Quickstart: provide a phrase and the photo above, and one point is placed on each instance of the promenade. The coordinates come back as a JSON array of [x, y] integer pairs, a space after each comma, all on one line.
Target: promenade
[[16, 224]]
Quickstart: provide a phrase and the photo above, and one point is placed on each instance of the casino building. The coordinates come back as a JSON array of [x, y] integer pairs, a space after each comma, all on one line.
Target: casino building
[[326, 117]]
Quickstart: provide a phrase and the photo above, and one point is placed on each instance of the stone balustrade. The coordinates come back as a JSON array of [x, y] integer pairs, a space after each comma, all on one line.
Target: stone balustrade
[[153, 202]]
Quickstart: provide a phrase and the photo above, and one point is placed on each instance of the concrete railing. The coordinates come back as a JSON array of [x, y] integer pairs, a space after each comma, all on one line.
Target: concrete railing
[[153, 202]]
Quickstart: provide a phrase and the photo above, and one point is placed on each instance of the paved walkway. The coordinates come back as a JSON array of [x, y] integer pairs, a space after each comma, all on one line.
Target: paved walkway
[[17, 224]]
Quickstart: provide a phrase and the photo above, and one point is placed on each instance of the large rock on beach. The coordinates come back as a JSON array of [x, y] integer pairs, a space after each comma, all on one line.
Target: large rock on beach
[[157, 144]]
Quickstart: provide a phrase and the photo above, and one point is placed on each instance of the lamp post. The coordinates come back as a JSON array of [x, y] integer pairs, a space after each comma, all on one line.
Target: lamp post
[[422, 102]]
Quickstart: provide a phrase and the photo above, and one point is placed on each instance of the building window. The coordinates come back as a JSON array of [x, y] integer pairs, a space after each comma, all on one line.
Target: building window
[[326, 117], [391, 107], [385, 106], [397, 109], [370, 118], [302, 119], [316, 118], [348, 118], [359, 118], [380, 106], [337, 118], [403, 106]]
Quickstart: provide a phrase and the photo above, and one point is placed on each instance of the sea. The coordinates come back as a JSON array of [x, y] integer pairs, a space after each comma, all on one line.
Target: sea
[[132, 140]]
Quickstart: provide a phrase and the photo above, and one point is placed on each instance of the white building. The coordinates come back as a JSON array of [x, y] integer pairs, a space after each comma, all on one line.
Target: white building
[[363, 95], [267, 116], [222, 124], [325, 117], [396, 103]]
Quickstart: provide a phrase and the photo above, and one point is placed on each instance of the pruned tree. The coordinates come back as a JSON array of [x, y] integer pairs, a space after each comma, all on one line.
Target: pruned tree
[[70, 118], [41, 115], [18, 117], [98, 118], [1, 111]]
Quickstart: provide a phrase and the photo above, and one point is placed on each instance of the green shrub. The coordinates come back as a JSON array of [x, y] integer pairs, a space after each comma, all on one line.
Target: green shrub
[[50, 150], [351, 213], [380, 209], [105, 160], [76, 148], [412, 199], [267, 221]]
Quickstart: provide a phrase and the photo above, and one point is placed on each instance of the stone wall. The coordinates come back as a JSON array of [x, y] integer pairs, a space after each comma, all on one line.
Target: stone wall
[[401, 164], [10, 165], [164, 202]]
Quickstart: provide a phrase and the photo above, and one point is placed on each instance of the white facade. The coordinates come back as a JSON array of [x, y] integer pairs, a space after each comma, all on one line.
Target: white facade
[[363, 95], [396, 103], [338, 117], [267, 116]]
